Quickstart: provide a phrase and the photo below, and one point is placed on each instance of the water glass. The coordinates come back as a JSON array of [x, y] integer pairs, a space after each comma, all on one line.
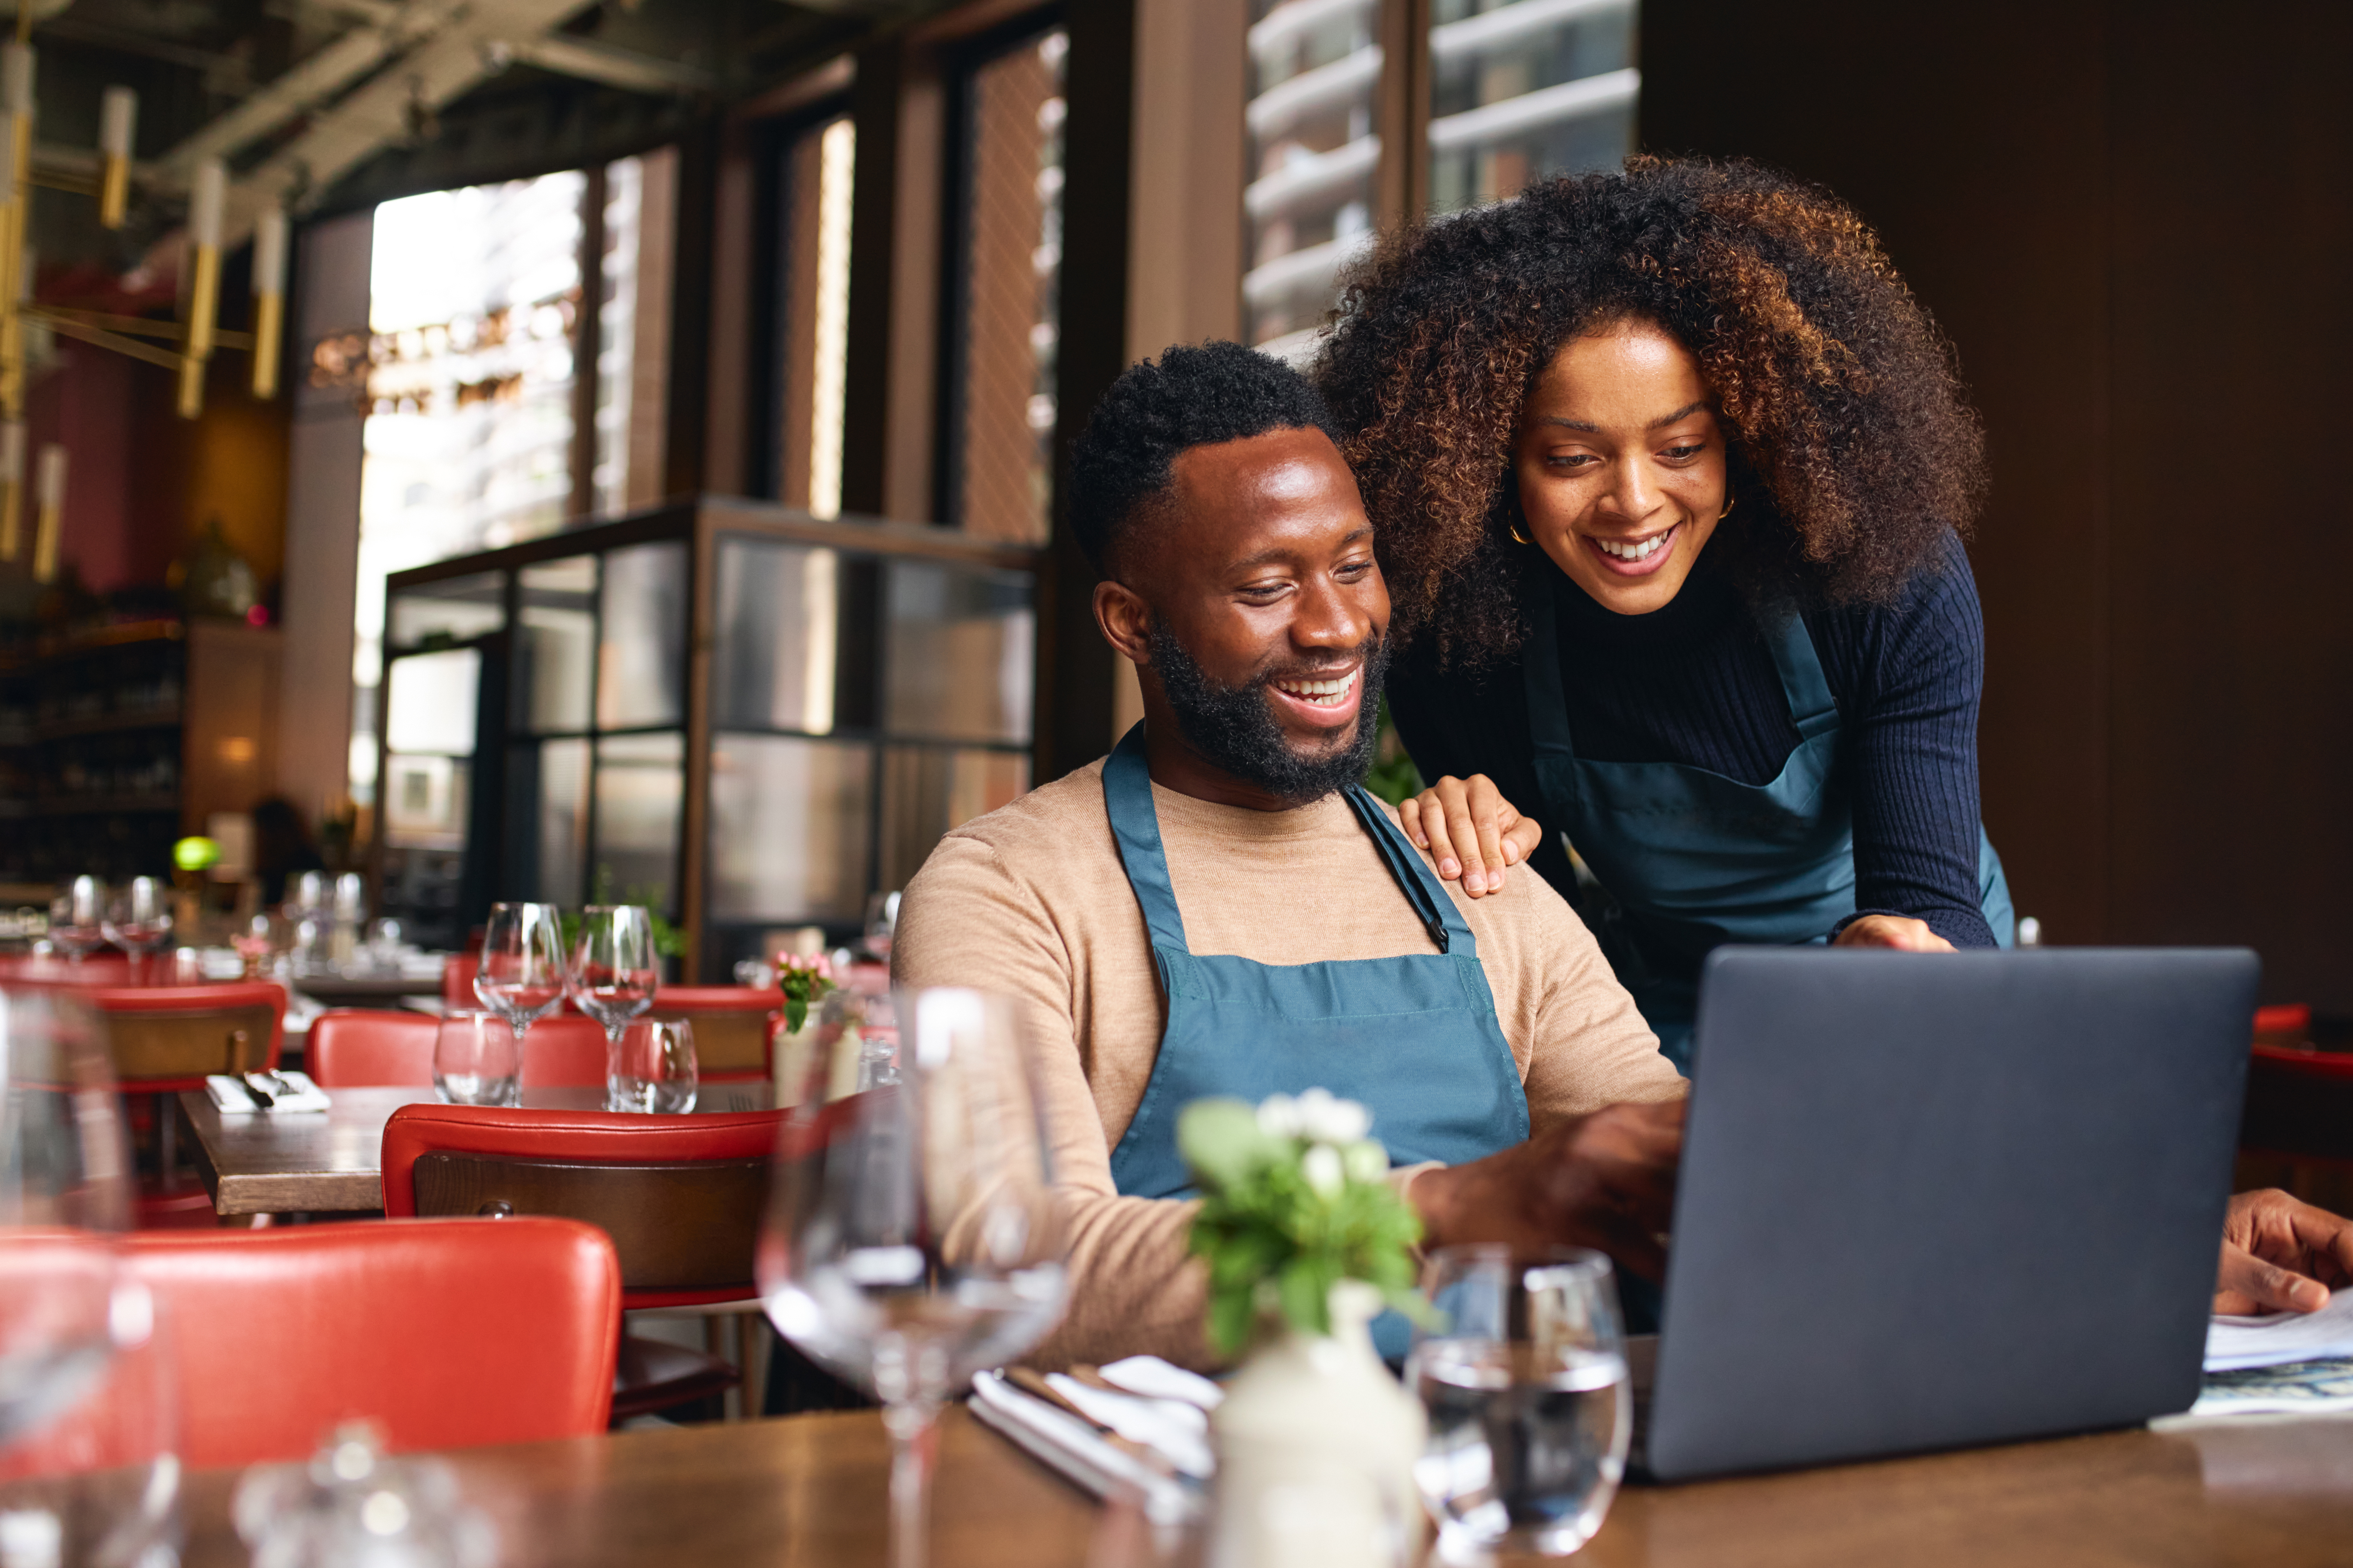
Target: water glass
[[78, 918], [614, 970], [477, 1059], [522, 975], [651, 1069], [139, 917], [1530, 1404], [881, 923], [912, 1237]]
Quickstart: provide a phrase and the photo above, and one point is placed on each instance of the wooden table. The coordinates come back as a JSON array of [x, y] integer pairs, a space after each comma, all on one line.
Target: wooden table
[[259, 1163], [810, 1489]]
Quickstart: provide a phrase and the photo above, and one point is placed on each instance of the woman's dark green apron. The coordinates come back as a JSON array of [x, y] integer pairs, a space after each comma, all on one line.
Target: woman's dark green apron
[[1414, 1039], [1683, 860]]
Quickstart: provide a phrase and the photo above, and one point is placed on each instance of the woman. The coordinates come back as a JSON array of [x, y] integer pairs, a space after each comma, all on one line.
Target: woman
[[1669, 471]]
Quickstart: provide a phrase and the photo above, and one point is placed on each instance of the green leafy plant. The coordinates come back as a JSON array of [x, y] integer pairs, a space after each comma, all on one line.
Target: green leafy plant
[[1393, 776], [1294, 1198], [669, 940]]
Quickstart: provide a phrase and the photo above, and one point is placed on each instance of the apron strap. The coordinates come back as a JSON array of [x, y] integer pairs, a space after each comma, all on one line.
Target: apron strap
[[1437, 912], [1803, 686], [1135, 825]]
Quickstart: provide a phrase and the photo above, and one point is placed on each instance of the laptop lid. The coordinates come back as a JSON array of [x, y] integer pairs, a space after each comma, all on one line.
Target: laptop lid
[[1930, 1200]]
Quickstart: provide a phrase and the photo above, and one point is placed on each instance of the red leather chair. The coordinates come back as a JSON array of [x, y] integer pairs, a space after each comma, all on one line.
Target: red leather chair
[[732, 1027], [443, 1333], [167, 1038], [679, 1195], [458, 971], [355, 1047]]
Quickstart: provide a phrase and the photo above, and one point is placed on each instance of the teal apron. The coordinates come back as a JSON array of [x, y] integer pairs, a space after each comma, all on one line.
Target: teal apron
[[1683, 860], [1413, 1039]]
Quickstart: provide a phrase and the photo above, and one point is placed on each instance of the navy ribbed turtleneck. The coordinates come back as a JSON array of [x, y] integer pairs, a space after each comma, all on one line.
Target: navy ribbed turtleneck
[[1693, 683]]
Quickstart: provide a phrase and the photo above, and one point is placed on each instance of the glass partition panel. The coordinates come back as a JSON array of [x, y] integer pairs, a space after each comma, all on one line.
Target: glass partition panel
[[1315, 70], [642, 659], [424, 802], [928, 790], [453, 611], [432, 699], [640, 788], [549, 781], [773, 659], [1522, 89], [789, 825], [555, 645], [958, 665]]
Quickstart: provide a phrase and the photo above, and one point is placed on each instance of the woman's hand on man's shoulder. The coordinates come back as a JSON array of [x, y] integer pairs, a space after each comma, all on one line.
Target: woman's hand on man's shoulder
[[1470, 831]]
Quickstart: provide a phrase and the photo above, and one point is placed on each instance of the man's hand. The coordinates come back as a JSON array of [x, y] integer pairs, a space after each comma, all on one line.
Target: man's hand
[[2280, 1255], [1899, 931], [1606, 1181], [1470, 830]]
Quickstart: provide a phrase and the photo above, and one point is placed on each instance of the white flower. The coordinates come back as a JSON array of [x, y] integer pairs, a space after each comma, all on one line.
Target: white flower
[[1329, 1120], [1321, 1166], [1278, 1116], [1366, 1160]]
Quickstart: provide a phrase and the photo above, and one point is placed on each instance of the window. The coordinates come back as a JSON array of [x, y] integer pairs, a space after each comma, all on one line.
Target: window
[[1315, 68], [1516, 90], [815, 175], [1001, 416]]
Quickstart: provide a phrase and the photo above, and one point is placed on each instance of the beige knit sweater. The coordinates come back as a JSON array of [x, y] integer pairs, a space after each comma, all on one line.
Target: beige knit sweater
[[1031, 901]]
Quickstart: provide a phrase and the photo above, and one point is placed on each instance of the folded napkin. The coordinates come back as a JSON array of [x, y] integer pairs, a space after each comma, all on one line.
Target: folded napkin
[[291, 1093]]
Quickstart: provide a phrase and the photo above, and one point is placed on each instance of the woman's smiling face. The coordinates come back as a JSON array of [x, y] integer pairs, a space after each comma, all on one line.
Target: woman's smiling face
[[1621, 466]]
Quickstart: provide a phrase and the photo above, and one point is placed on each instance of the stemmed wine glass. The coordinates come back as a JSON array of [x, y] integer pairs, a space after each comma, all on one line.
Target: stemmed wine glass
[[522, 977], [78, 918], [139, 917], [614, 977], [912, 1238]]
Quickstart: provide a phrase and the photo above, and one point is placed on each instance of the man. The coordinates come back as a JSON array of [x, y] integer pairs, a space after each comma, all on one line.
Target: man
[[1213, 909]]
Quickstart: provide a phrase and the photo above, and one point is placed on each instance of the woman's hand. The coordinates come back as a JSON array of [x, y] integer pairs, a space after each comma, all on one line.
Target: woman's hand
[[1899, 931], [2281, 1255], [1470, 830]]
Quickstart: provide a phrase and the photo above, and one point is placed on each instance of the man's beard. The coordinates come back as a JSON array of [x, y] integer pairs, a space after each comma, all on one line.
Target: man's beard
[[1234, 729]]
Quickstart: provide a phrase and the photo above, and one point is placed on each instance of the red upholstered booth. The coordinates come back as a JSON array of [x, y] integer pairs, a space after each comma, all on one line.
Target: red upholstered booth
[[355, 1047], [445, 1333], [679, 1195]]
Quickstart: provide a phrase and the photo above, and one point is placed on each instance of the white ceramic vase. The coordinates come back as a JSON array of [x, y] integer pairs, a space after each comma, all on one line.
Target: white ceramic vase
[[1315, 1445]]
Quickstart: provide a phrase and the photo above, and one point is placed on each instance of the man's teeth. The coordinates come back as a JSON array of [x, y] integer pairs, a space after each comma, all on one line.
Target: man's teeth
[[1323, 693], [1631, 552]]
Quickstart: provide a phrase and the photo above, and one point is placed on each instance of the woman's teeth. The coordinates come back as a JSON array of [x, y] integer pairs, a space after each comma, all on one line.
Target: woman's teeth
[[1322, 693], [1629, 551]]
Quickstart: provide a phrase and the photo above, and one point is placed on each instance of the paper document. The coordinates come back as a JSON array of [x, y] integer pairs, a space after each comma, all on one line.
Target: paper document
[[2232, 1343]]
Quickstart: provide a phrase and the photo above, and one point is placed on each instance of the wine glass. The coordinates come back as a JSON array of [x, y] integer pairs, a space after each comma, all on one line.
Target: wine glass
[[1530, 1406], [652, 1068], [522, 977], [78, 918], [477, 1059], [64, 1192], [139, 917], [614, 978], [881, 923], [912, 1239]]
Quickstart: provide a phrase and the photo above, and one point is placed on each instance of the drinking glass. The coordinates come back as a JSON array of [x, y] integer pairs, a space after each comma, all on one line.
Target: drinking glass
[[139, 917], [652, 1068], [522, 976], [912, 1238], [1530, 1406], [614, 973], [64, 1193], [881, 923], [78, 918], [477, 1059]]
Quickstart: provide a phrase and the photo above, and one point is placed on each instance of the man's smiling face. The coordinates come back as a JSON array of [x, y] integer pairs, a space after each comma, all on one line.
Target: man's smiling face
[[1269, 618]]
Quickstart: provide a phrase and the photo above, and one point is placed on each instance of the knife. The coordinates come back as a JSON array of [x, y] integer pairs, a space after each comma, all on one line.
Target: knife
[[252, 1083]]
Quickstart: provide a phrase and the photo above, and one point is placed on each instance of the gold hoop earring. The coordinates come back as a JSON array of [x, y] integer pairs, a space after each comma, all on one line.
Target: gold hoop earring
[[1728, 505], [1518, 536]]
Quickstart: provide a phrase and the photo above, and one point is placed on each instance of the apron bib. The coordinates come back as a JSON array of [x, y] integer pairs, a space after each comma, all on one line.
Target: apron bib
[[1414, 1039], [1685, 859]]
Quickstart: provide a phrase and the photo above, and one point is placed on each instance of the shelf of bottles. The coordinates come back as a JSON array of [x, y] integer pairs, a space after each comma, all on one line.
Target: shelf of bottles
[[550, 732], [89, 754]]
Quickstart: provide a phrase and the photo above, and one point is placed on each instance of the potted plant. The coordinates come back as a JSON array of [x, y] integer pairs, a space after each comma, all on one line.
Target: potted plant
[[802, 981], [1305, 1241]]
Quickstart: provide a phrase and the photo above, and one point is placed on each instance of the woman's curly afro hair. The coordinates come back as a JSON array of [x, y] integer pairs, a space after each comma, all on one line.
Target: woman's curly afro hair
[[1850, 438]]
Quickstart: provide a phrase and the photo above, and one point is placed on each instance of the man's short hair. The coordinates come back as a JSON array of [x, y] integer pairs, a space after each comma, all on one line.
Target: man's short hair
[[1195, 396]]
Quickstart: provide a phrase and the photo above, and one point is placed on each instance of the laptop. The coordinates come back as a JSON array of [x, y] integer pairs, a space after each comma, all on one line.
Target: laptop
[[1934, 1200]]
